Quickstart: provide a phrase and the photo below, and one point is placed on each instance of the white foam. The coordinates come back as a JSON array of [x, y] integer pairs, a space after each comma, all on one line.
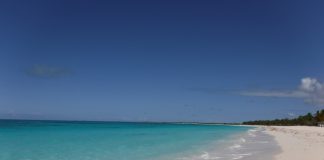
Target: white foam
[[253, 130], [243, 140], [205, 155], [235, 146], [251, 134], [240, 156]]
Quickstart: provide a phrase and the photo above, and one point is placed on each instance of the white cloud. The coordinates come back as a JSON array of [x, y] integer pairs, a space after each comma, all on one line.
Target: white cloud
[[310, 85], [310, 90]]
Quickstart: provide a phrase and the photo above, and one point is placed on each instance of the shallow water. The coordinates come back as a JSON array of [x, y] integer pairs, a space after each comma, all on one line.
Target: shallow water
[[57, 140]]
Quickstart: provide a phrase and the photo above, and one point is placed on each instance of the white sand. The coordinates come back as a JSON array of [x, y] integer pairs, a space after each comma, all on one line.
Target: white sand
[[299, 142]]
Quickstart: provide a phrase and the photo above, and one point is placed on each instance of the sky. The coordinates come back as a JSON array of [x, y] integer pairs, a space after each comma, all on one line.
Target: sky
[[206, 61]]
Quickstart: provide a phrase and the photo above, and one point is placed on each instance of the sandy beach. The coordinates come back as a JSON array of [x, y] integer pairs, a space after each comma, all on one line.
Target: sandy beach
[[298, 142]]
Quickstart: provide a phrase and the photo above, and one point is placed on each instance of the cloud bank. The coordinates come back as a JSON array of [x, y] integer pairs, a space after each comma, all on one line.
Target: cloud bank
[[310, 90], [44, 71]]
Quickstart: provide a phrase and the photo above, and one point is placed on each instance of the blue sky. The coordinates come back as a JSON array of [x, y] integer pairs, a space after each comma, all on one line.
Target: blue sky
[[209, 61]]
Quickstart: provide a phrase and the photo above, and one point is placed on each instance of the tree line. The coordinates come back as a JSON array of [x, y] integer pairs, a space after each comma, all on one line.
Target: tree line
[[306, 120]]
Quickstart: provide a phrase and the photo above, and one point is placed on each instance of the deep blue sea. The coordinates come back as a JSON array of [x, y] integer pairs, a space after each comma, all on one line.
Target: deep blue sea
[[59, 140]]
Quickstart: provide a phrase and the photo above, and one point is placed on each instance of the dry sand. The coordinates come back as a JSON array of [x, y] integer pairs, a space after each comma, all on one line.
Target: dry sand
[[299, 142]]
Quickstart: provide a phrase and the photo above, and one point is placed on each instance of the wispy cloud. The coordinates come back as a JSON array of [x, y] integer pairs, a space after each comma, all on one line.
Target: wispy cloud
[[209, 90], [45, 71], [292, 94], [310, 90]]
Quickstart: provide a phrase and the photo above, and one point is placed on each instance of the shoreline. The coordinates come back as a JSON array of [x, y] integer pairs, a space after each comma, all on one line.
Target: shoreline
[[252, 144], [297, 142]]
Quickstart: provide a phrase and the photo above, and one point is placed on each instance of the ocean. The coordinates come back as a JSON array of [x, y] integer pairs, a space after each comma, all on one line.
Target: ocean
[[64, 140]]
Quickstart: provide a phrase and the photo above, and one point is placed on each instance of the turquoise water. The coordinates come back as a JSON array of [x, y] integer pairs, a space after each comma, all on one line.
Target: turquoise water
[[54, 140]]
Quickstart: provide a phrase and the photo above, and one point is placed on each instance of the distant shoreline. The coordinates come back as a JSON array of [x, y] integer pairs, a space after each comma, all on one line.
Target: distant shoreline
[[97, 121]]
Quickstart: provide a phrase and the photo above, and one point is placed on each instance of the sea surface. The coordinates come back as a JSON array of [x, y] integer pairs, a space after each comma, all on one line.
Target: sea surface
[[62, 140]]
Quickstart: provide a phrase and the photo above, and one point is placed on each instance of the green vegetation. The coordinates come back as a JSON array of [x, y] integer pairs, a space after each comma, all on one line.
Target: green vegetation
[[306, 120]]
